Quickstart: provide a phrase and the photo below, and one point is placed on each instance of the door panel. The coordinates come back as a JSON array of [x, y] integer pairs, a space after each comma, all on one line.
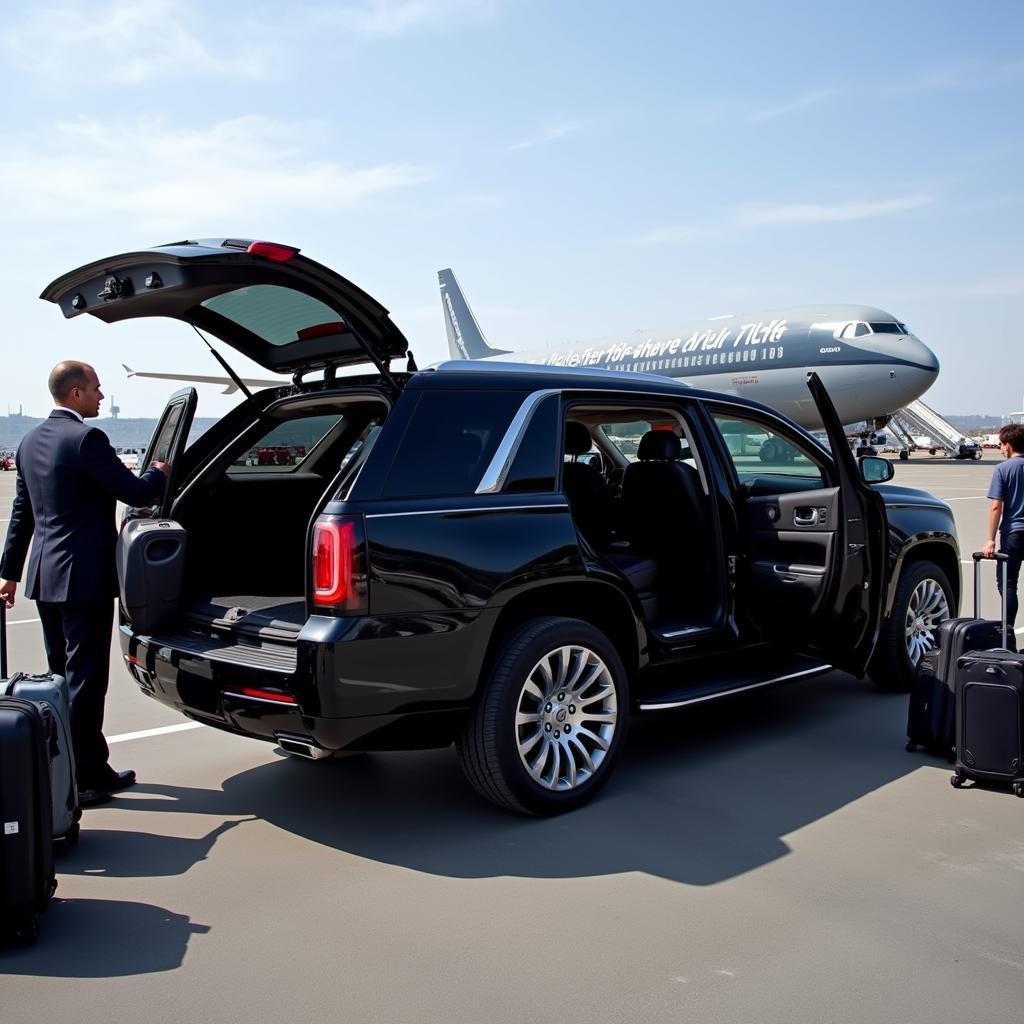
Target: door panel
[[791, 548]]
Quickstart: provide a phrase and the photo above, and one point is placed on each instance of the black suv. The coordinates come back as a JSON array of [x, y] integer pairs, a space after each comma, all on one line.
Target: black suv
[[513, 558]]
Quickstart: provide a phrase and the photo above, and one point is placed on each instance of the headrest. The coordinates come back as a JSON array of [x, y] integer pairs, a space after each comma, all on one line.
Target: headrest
[[577, 439], [659, 446]]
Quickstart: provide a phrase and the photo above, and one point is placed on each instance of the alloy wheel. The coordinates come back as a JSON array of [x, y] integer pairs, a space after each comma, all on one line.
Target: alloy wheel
[[566, 717], [926, 609]]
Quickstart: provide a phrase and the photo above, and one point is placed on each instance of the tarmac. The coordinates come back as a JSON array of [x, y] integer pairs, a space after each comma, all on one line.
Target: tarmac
[[777, 857]]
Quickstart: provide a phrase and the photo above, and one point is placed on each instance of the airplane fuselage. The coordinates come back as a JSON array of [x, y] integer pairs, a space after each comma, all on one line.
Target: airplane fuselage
[[766, 356]]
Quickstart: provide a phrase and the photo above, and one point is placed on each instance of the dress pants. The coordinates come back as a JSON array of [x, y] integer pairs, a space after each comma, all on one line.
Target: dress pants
[[77, 636]]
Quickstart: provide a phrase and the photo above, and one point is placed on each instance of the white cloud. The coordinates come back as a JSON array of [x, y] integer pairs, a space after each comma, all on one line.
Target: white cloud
[[817, 213], [395, 17], [752, 217], [147, 173], [793, 106], [552, 133], [128, 42]]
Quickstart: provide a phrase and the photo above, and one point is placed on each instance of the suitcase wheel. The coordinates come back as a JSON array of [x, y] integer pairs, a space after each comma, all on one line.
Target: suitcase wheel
[[1018, 789], [71, 839], [956, 780], [26, 932], [911, 746]]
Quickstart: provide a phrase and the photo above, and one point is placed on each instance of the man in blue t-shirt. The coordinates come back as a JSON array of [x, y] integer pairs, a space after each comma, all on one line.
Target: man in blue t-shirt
[[1007, 512]]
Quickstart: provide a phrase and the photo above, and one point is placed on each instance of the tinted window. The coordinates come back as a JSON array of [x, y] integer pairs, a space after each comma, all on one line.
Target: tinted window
[[284, 448], [757, 452], [161, 446], [277, 315], [536, 462], [887, 328], [449, 442]]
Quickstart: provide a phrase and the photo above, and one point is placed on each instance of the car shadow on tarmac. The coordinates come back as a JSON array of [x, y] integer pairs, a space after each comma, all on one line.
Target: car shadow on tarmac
[[103, 939], [698, 797]]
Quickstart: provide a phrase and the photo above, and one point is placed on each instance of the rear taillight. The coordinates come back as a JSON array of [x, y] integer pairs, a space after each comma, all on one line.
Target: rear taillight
[[339, 564]]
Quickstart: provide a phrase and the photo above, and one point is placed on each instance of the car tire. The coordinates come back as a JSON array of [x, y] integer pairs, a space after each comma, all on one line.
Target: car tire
[[892, 666], [516, 749]]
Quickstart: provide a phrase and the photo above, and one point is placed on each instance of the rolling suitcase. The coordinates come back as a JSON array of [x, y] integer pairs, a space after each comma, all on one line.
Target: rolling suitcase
[[989, 693], [53, 692], [931, 713], [27, 879]]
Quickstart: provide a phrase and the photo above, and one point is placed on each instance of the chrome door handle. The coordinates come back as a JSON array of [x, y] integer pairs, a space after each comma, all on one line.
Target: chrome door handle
[[805, 516]]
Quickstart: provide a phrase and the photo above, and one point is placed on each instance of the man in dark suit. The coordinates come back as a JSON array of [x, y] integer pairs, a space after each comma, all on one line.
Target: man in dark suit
[[69, 480]]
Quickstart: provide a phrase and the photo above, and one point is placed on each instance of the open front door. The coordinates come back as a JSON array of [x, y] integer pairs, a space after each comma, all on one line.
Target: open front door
[[850, 620], [169, 439], [813, 537]]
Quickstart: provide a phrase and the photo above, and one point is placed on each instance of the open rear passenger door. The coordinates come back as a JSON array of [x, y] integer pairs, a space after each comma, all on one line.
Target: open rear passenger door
[[169, 440]]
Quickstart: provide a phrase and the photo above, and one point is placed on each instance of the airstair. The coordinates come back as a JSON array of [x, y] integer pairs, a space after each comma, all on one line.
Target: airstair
[[920, 419]]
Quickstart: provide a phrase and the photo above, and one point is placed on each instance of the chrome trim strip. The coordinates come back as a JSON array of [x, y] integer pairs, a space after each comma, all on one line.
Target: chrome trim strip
[[739, 689], [497, 472], [261, 700], [450, 511]]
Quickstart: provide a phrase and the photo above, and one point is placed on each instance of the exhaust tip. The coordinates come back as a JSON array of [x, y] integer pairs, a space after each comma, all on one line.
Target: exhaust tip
[[301, 746]]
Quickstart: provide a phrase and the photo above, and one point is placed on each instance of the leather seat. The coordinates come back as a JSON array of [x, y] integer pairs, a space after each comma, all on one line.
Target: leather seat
[[665, 509], [590, 498]]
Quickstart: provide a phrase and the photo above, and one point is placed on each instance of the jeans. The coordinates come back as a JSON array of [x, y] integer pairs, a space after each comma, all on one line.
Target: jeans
[[1012, 545]]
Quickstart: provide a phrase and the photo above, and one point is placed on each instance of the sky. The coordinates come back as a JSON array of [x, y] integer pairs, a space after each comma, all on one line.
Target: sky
[[587, 168]]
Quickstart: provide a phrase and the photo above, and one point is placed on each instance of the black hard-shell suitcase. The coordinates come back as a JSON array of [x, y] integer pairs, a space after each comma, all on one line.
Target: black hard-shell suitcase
[[931, 714], [52, 691], [27, 879], [990, 719]]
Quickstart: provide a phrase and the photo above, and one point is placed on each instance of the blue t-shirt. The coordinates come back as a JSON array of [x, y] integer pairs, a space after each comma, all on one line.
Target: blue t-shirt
[[1008, 487]]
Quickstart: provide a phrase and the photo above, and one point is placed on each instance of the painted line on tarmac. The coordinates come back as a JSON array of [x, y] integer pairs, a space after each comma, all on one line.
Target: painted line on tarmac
[[968, 497], [146, 733], [21, 622]]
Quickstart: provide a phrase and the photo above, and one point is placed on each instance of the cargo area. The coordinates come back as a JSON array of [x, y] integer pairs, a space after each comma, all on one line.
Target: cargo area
[[245, 519]]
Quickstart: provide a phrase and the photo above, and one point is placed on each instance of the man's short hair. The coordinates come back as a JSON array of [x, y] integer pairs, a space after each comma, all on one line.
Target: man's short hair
[[67, 375], [1013, 435]]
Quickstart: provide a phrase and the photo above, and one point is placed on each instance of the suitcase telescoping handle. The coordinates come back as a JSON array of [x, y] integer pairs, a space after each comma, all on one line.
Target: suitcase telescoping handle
[[1001, 561]]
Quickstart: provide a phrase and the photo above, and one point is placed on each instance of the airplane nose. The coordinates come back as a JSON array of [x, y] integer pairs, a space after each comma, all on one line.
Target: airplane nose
[[925, 358]]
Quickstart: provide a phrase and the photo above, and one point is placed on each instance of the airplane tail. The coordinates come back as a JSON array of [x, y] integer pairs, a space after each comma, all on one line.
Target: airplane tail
[[465, 339]]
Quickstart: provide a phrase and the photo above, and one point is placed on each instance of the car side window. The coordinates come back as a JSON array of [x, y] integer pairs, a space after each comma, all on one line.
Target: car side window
[[535, 466], [284, 448], [766, 459], [449, 442]]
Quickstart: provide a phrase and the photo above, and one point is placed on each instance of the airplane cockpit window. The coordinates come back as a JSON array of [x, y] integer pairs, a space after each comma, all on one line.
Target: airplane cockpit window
[[888, 327], [855, 330]]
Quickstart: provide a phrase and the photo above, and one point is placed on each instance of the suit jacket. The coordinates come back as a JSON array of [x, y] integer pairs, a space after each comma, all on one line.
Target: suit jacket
[[69, 480]]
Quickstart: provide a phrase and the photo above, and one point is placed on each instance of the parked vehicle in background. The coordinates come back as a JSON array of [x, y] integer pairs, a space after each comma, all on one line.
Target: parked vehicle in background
[[7, 463], [478, 553]]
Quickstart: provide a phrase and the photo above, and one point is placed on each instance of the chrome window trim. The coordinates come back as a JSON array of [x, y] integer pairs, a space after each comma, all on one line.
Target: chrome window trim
[[497, 471]]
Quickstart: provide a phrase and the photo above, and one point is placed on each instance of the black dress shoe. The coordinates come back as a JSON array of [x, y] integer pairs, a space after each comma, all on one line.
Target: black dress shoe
[[93, 797], [114, 781]]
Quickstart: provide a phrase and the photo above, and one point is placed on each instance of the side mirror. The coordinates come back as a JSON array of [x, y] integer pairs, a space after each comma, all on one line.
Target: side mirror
[[876, 471]]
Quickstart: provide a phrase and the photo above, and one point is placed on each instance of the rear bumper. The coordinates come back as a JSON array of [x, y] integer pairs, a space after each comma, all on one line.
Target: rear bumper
[[346, 684]]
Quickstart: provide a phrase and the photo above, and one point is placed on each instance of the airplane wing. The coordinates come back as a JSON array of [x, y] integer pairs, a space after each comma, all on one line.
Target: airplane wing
[[230, 387]]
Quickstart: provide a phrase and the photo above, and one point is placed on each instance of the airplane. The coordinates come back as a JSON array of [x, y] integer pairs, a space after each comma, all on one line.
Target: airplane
[[870, 362]]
